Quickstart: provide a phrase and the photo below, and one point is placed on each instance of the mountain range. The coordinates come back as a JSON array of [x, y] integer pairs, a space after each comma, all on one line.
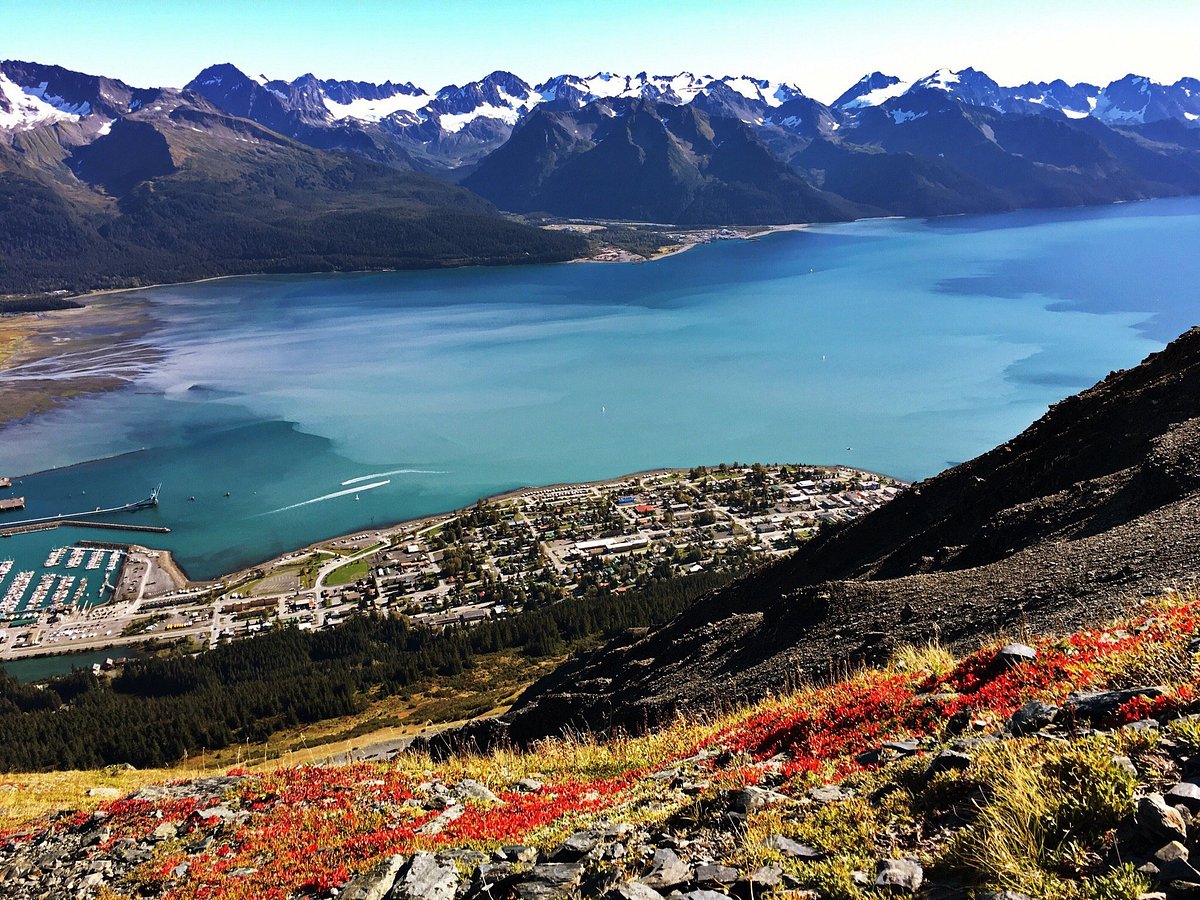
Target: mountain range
[[106, 184]]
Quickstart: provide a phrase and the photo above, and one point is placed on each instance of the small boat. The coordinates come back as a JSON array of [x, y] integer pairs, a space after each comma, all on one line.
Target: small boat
[[227, 493], [356, 498], [193, 499]]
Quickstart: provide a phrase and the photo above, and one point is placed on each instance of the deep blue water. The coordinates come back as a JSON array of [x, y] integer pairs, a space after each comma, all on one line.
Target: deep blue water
[[898, 346]]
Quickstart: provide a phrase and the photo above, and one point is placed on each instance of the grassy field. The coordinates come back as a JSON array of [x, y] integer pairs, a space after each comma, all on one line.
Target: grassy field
[[349, 573]]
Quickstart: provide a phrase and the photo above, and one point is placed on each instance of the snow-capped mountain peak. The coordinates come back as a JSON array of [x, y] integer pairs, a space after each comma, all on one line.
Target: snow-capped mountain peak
[[871, 90]]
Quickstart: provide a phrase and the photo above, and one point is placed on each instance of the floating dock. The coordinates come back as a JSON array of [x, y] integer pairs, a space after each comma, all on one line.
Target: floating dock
[[10, 503]]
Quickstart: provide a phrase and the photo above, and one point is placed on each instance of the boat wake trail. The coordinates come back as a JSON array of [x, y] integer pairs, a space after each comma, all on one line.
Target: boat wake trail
[[363, 478], [353, 490]]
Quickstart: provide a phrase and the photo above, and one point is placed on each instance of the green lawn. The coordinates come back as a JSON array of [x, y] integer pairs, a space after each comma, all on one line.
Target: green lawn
[[349, 573]]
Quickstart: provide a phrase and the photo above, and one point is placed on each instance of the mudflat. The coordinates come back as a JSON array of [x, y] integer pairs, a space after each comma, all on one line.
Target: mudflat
[[49, 357]]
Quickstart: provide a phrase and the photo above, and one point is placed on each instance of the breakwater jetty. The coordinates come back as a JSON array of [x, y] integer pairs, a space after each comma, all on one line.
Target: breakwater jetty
[[84, 519]]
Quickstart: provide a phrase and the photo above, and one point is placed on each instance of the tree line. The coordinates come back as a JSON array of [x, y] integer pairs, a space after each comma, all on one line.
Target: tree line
[[161, 708]]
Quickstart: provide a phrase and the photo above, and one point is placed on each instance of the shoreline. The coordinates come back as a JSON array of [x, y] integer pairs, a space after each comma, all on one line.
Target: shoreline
[[48, 330], [433, 518], [358, 543]]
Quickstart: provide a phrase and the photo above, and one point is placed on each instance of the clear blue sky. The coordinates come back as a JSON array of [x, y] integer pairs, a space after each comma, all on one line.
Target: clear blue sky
[[821, 46]]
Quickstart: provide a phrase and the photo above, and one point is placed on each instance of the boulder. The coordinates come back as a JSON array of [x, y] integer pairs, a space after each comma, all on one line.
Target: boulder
[[1097, 705], [792, 849], [1158, 821], [427, 879], [1186, 794], [374, 885], [1011, 655], [715, 873], [947, 761], [667, 870], [899, 875], [577, 846], [1033, 716], [470, 789]]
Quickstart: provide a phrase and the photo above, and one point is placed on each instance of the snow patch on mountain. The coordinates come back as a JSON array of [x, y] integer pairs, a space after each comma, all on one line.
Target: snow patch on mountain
[[367, 110], [768, 92], [941, 80], [30, 107], [455, 122], [877, 96]]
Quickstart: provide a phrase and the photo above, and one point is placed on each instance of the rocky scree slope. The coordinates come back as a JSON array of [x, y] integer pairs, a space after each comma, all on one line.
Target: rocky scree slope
[[1097, 501]]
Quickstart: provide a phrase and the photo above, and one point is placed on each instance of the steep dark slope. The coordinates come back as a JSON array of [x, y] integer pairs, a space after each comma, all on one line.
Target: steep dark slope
[[651, 162], [1096, 503], [179, 190]]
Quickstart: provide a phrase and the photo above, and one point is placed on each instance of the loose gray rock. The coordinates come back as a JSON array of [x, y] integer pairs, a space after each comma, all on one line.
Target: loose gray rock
[[792, 849], [427, 879], [1095, 705], [826, 793], [751, 798], [470, 789], [1011, 655], [110, 793], [442, 819], [948, 761], [374, 885], [1173, 850], [765, 877], [1157, 820], [1033, 716], [704, 895], [1126, 764], [1185, 794], [900, 875], [667, 870], [560, 874], [715, 873], [576, 846], [1178, 870], [633, 890]]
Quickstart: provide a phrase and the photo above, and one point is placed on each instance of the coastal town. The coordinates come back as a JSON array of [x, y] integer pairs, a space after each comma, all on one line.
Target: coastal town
[[529, 547]]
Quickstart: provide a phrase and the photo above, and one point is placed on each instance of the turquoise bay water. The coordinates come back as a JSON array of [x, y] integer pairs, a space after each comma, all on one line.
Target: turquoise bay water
[[898, 346]]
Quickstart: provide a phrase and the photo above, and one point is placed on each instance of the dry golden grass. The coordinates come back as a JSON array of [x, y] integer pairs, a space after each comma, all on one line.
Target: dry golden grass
[[24, 797]]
